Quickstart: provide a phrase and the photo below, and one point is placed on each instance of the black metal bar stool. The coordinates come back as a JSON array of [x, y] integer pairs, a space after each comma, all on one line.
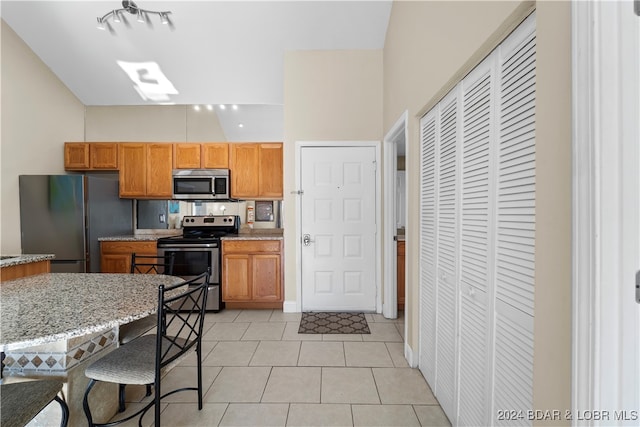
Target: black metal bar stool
[[180, 317]]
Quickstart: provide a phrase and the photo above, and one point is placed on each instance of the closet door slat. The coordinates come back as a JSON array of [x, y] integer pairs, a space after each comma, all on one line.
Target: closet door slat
[[428, 337], [515, 234]]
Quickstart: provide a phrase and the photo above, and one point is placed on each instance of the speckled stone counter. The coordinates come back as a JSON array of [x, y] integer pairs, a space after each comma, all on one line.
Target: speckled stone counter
[[55, 324], [55, 306], [12, 260], [256, 234], [137, 237]]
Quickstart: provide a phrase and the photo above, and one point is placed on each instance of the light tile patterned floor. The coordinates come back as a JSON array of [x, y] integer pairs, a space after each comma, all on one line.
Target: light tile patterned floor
[[258, 371]]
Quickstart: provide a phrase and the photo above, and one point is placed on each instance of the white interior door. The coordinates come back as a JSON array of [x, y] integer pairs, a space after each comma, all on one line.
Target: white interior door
[[338, 220]]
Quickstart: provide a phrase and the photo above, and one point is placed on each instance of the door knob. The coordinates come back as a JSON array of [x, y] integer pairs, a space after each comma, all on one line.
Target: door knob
[[306, 239]]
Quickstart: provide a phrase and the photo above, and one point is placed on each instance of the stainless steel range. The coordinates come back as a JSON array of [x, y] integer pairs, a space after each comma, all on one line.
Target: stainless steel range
[[199, 248]]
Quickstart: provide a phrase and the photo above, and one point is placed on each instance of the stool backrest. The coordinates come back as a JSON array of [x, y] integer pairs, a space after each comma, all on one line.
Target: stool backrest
[[181, 311], [152, 264]]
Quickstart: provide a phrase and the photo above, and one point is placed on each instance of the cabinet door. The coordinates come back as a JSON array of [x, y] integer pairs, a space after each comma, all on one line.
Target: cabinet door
[[235, 282], [270, 180], [76, 156], [186, 156], [244, 163], [115, 263], [400, 275], [103, 156], [215, 156], [266, 277], [159, 168], [133, 170], [115, 256]]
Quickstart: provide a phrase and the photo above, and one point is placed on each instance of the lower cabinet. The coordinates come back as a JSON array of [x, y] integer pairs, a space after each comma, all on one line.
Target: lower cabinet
[[115, 256], [24, 270], [252, 273], [401, 276]]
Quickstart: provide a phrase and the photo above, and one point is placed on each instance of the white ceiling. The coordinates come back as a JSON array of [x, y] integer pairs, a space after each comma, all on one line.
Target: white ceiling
[[218, 52]]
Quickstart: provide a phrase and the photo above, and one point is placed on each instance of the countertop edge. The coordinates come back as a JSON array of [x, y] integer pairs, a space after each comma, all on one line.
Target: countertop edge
[[25, 259]]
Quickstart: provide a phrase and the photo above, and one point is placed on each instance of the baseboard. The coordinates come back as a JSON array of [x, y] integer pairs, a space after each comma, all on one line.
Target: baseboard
[[289, 307], [408, 354]]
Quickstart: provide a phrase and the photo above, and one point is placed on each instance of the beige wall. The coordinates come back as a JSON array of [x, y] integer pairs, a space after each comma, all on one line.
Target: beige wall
[[429, 47], [39, 113], [330, 96], [156, 123], [552, 323]]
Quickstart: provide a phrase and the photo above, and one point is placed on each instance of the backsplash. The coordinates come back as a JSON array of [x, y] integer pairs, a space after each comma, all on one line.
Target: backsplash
[[152, 216]]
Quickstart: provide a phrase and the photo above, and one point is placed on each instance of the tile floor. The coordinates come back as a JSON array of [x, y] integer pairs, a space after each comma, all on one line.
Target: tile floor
[[258, 371]]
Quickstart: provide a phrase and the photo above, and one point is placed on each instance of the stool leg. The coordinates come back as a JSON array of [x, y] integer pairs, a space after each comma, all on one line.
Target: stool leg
[[121, 398], [85, 402], [65, 412], [148, 390]]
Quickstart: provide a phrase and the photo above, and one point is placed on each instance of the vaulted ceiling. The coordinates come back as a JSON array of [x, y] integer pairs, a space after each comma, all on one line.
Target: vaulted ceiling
[[211, 52]]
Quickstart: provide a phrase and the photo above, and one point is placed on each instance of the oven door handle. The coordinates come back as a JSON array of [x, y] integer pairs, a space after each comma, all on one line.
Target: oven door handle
[[189, 246]]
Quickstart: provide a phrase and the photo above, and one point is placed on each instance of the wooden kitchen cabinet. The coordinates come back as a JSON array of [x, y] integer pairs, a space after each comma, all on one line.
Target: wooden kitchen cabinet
[[270, 178], [84, 156], [252, 273], [145, 170], [76, 156], [244, 164], [115, 256], [186, 155], [215, 155], [207, 155], [400, 274], [159, 171], [24, 270], [256, 170]]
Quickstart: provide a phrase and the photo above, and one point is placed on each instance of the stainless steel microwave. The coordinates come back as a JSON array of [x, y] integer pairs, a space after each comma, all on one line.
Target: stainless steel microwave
[[201, 184]]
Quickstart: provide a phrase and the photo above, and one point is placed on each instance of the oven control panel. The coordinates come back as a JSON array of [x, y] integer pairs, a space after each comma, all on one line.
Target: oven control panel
[[210, 221]]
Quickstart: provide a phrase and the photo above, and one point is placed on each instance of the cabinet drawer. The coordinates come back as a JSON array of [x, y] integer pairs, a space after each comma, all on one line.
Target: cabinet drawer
[[250, 246], [129, 247]]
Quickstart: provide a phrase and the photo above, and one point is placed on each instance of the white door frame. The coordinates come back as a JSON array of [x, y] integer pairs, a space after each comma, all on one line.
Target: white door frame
[[390, 305], [606, 207], [378, 238]]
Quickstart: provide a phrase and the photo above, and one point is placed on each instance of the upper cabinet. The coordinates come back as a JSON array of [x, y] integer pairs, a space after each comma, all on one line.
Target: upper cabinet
[[186, 155], [145, 170], [215, 155], [256, 170], [83, 156], [270, 180], [209, 155]]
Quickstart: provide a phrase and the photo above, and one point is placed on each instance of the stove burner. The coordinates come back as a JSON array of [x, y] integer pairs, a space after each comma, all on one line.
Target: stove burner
[[204, 229]]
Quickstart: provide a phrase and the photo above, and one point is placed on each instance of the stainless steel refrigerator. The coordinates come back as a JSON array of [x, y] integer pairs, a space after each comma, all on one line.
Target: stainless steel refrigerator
[[65, 215]]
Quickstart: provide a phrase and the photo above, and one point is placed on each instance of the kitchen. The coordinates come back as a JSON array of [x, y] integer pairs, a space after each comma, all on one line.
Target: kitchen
[[53, 215], [326, 86]]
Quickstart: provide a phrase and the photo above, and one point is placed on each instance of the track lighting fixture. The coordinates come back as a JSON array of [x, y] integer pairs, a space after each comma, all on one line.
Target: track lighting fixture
[[142, 15]]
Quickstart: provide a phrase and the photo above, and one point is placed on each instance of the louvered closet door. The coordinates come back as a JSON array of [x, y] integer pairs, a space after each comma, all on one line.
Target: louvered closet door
[[475, 245], [477, 229], [429, 141], [446, 253], [515, 237]]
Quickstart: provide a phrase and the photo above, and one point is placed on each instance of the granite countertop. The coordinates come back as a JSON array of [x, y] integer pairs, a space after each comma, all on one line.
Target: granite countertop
[[256, 234], [244, 234], [51, 307], [12, 260], [136, 237]]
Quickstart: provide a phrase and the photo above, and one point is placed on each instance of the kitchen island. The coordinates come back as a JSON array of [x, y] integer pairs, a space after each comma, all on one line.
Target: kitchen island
[[53, 324], [15, 266]]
